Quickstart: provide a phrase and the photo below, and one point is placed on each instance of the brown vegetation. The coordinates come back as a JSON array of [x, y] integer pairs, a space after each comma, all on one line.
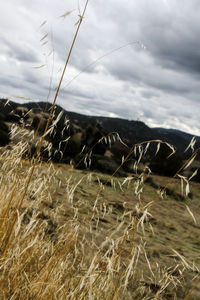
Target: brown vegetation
[[69, 234]]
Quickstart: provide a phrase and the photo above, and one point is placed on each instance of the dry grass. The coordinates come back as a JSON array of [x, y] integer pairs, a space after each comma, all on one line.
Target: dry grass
[[74, 237], [65, 234]]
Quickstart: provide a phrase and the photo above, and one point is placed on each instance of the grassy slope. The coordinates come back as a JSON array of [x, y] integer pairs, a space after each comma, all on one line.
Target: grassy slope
[[173, 226], [79, 201]]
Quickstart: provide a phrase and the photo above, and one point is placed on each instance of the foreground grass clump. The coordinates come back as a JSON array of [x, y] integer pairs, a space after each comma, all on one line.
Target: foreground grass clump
[[73, 237]]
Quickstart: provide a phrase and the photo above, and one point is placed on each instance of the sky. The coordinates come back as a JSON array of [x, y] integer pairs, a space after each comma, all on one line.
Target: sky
[[138, 59]]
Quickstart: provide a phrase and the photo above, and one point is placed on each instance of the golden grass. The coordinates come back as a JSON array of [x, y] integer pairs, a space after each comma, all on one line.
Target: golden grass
[[66, 235], [76, 238]]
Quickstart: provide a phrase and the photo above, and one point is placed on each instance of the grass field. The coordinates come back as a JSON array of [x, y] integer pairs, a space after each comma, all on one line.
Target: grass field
[[80, 235]]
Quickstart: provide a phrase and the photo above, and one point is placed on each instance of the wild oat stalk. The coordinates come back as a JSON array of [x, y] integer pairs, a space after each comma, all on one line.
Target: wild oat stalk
[[46, 128]]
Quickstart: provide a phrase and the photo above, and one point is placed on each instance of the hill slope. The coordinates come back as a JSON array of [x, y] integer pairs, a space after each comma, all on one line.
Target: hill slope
[[131, 132]]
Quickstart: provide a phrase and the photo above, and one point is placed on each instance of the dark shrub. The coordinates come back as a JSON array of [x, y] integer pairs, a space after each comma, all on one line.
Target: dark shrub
[[164, 166], [22, 112], [2, 117], [93, 134], [13, 118], [4, 137], [4, 127], [73, 146]]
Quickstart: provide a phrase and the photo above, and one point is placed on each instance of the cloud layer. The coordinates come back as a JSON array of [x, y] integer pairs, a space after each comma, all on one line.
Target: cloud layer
[[110, 73]]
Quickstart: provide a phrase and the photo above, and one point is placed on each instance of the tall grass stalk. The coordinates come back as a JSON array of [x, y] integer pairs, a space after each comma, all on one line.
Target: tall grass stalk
[[46, 127]]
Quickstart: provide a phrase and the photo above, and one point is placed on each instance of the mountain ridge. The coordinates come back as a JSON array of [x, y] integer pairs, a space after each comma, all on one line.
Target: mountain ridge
[[130, 131]]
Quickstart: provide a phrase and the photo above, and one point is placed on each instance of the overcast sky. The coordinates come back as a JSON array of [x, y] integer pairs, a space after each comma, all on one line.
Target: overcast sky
[[158, 84]]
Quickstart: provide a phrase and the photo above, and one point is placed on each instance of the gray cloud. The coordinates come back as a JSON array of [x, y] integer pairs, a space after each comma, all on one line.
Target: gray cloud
[[19, 51], [159, 84]]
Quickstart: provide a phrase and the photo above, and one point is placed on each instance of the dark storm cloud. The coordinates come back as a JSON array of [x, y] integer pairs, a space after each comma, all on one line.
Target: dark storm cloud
[[175, 45], [170, 34]]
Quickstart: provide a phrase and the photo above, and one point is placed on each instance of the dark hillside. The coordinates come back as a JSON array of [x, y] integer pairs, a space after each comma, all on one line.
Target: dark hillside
[[176, 137], [131, 132]]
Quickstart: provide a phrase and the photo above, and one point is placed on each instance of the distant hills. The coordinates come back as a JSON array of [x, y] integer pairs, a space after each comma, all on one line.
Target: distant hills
[[131, 132]]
